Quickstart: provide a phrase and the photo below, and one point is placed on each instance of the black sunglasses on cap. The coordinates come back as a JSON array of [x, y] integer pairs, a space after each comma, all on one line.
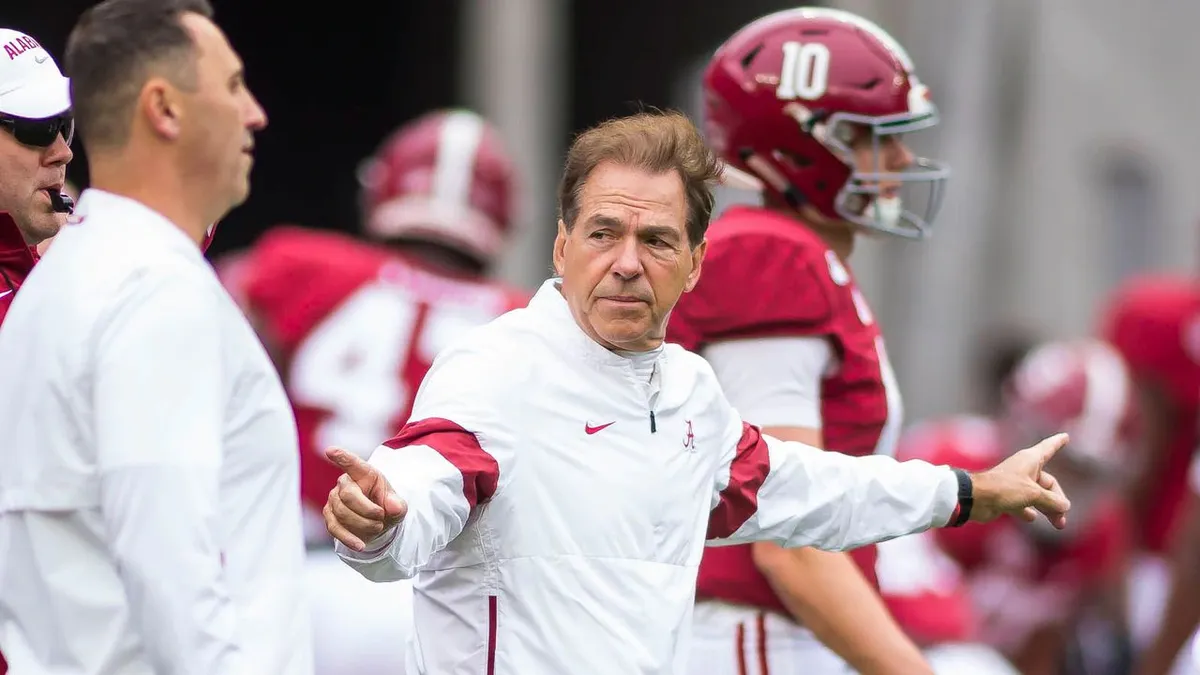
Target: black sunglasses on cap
[[40, 133]]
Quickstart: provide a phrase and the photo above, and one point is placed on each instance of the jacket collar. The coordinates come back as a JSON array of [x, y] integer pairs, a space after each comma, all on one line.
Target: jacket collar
[[138, 220], [551, 308]]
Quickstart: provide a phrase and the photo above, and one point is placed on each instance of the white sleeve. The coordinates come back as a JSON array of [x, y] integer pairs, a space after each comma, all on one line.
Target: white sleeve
[[455, 454], [159, 400], [797, 495], [773, 382]]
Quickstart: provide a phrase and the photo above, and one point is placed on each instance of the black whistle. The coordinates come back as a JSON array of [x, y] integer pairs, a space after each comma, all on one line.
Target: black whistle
[[60, 202]]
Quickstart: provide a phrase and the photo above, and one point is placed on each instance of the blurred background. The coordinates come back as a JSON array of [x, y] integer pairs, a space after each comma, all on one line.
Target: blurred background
[[1069, 125]]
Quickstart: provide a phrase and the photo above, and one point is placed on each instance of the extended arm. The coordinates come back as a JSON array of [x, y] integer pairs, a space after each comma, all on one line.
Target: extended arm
[[825, 591], [451, 459], [797, 495]]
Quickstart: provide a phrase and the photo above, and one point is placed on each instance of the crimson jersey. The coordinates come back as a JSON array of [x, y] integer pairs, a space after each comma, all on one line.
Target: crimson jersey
[[1017, 582], [16, 262], [1155, 323], [1020, 584], [355, 328], [765, 275]]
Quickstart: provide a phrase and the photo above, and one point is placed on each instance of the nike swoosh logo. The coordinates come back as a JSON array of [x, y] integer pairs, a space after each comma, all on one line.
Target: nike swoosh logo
[[42, 58], [589, 429], [8, 292]]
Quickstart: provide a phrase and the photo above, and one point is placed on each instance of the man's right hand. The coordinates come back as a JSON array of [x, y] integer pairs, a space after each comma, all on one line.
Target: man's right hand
[[1019, 486], [363, 506]]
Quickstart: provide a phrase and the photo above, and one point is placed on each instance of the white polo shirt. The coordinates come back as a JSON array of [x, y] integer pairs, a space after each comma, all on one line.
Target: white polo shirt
[[149, 508]]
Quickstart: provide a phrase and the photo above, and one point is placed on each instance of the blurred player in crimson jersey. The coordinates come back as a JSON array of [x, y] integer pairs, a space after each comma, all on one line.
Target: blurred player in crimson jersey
[[1175, 650], [1155, 323], [811, 105], [355, 325], [1041, 595]]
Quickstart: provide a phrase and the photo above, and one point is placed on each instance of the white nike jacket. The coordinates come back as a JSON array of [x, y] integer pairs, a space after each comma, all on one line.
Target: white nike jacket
[[558, 506]]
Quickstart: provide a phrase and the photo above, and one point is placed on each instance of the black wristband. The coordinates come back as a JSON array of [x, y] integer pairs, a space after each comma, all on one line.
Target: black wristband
[[966, 499]]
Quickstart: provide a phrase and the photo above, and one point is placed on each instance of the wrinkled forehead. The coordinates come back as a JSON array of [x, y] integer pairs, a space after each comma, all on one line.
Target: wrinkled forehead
[[631, 197]]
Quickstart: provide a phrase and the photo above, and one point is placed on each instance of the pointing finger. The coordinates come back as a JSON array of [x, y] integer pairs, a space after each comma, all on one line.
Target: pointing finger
[[1046, 449], [354, 466]]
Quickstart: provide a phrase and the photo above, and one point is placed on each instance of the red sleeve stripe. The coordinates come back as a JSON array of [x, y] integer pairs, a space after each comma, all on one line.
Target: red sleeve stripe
[[480, 472], [739, 499]]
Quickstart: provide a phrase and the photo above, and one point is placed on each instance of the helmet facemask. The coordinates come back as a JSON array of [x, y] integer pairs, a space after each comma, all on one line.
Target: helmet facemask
[[911, 212]]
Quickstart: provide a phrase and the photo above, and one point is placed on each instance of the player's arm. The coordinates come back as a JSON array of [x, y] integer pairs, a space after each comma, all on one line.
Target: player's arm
[[777, 382], [159, 400], [798, 495], [454, 456], [1183, 610]]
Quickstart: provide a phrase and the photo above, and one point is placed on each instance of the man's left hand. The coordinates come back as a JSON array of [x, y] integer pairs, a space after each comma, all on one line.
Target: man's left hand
[[1019, 486]]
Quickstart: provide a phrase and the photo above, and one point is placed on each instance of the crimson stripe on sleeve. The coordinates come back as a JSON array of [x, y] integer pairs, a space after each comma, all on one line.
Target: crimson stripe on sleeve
[[739, 499], [480, 472]]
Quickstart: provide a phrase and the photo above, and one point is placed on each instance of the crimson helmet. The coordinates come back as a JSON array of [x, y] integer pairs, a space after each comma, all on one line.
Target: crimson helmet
[[1083, 388], [444, 177], [969, 442], [787, 97]]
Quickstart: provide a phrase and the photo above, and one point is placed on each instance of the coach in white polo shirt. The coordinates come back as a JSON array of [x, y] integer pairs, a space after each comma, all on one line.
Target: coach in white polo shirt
[[149, 496]]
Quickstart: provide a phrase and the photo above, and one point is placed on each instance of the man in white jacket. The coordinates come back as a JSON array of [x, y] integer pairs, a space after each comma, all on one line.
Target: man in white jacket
[[564, 467], [149, 500]]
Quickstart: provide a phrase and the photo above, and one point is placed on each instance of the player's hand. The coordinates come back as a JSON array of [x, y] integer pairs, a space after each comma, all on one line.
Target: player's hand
[[1020, 487], [363, 506]]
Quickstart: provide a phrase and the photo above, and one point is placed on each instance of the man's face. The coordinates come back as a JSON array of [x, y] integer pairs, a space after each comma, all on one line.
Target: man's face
[[217, 138], [26, 175], [626, 261], [883, 154]]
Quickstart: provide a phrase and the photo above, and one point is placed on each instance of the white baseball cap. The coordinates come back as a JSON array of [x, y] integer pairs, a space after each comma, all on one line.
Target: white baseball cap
[[31, 85]]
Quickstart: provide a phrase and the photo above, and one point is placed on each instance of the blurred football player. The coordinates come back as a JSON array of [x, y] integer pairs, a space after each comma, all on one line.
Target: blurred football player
[[1170, 652], [1155, 323], [1039, 594], [354, 326], [811, 105]]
